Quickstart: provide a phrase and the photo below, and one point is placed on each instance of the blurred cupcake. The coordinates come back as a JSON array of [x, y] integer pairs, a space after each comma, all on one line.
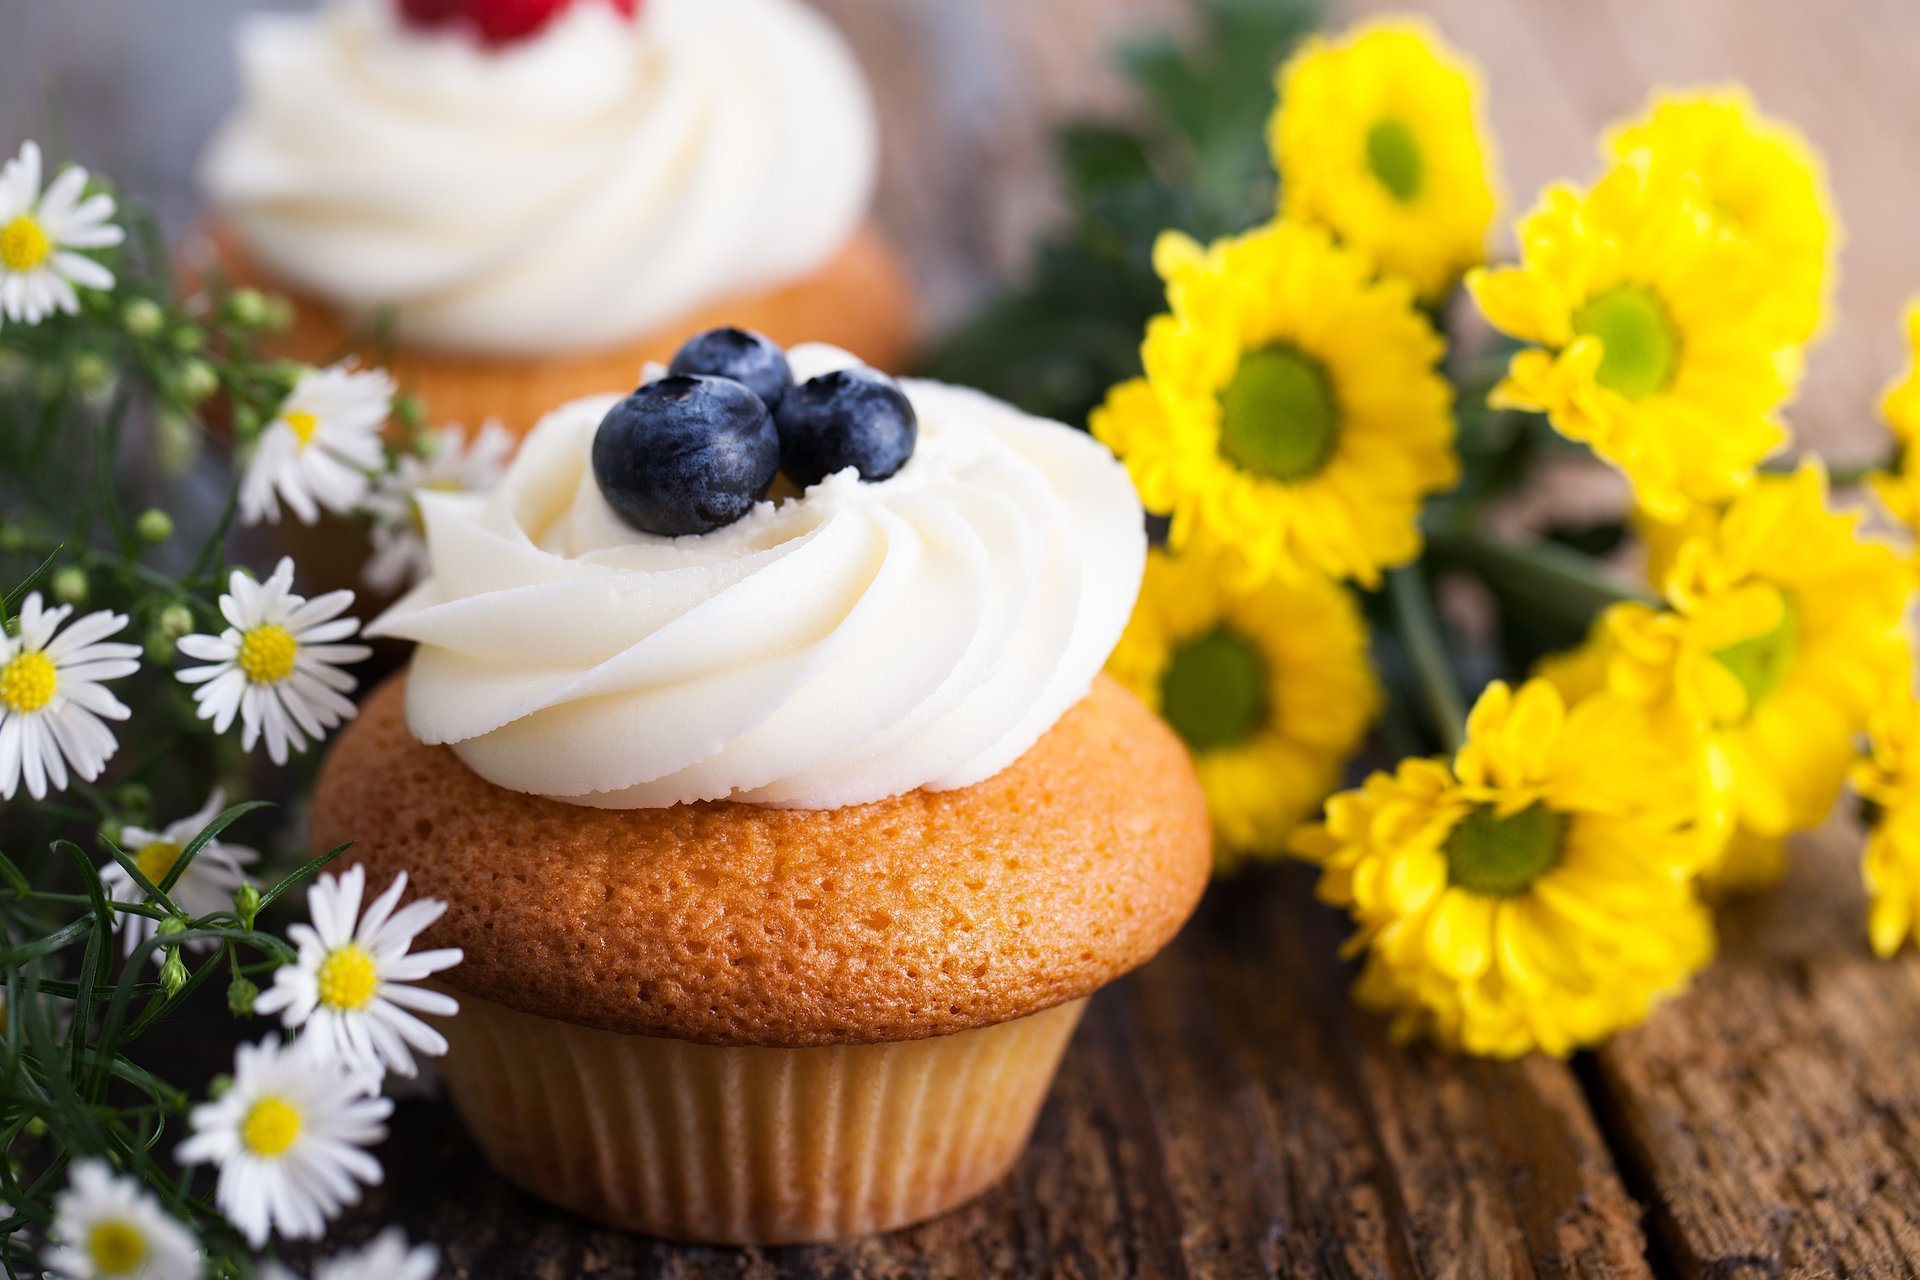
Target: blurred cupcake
[[784, 852], [511, 203]]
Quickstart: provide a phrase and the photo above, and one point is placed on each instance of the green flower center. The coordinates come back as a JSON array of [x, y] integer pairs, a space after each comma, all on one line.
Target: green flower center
[[1639, 345], [1278, 416], [1498, 857], [1393, 158], [1214, 692], [1761, 662]]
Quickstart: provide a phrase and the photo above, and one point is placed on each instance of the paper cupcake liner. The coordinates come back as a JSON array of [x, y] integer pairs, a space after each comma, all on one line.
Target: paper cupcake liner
[[748, 1145]]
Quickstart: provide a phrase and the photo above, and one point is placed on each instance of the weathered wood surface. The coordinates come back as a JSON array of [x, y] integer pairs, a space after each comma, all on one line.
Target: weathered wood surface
[[1773, 1116], [1224, 1113]]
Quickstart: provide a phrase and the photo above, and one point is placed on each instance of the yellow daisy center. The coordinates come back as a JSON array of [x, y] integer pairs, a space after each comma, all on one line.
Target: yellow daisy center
[[156, 858], [1640, 347], [27, 682], [1393, 158], [267, 653], [347, 978], [116, 1247], [1214, 692], [1278, 416], [1761, 662], [24, 244], [1498, 857], [304, 424], [272, 1125]]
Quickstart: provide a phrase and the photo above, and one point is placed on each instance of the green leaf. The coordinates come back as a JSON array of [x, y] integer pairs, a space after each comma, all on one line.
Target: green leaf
[[1196, 163], [221, 821], [305, 872]]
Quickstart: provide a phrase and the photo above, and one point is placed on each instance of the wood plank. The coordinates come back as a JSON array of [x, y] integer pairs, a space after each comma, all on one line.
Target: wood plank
[[1775, 1112], [1222, 1114]]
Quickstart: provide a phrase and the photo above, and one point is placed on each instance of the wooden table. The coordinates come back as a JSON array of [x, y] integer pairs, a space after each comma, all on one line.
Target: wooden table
[[1224, 1112]]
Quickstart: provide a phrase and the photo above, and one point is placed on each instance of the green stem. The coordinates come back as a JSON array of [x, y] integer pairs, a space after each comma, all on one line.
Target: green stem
[[1419, 629], [1555, 579]]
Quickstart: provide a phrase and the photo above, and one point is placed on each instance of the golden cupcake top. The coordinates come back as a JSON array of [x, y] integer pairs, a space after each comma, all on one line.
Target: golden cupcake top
[[731, 923]]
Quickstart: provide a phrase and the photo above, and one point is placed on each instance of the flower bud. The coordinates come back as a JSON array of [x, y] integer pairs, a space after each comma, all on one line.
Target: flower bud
[[154, 526], [70, 585], [246, 901], [173, 973], [240, 997], [91, 372], [189, 337], [172, 927], [176, 620], [143, 317], [248, 307], [198, 381]]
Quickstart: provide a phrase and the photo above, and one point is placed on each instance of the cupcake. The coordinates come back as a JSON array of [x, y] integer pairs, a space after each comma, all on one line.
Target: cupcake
[[785, 836], [512, 203]]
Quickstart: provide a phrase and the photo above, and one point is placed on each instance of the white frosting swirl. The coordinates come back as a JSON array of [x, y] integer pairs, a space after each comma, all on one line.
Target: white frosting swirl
[[851, 644], [586, 186]]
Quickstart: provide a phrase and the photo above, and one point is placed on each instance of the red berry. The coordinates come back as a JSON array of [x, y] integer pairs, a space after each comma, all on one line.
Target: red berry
[[497, 22]]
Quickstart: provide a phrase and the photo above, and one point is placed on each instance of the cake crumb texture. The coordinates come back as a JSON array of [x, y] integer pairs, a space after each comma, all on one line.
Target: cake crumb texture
[[727, 923]]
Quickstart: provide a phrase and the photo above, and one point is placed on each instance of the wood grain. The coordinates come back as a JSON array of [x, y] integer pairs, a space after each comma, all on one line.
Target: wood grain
[[1775, 1112], [1222, 1114]]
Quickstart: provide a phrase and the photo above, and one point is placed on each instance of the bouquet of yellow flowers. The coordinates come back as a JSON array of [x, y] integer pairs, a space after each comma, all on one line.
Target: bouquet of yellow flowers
[[1331, 409]]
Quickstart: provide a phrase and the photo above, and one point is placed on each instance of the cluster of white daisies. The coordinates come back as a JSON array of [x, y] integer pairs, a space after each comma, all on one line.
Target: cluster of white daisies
[[290, 1134], [277, 667]]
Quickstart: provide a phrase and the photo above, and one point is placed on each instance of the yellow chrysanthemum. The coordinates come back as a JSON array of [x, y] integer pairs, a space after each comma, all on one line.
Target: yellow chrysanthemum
[[1653, 346], [1900, 488], [1781, 634], [1536, 894], [1269, 688], [1889, 777], [1762, 182], [1291, 420], [1378, 137]]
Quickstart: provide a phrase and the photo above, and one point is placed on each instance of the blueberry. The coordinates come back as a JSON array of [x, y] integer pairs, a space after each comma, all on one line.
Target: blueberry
[[741, 354], [849, 418], [686, 455]]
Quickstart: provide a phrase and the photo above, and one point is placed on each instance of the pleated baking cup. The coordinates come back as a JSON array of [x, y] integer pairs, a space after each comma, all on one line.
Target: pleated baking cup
[[749, 1145]]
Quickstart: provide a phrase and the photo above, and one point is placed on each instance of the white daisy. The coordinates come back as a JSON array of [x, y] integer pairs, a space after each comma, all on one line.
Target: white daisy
[[385, 1257], [206, 886], [451, 464], [52, 702], [38, 236], [108, 1225], [288, 1135], [319, 449], [348, 986], [278, 666]]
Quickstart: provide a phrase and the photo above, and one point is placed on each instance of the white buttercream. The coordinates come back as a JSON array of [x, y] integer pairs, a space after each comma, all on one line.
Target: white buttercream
[[832, 649], [593, 183]]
